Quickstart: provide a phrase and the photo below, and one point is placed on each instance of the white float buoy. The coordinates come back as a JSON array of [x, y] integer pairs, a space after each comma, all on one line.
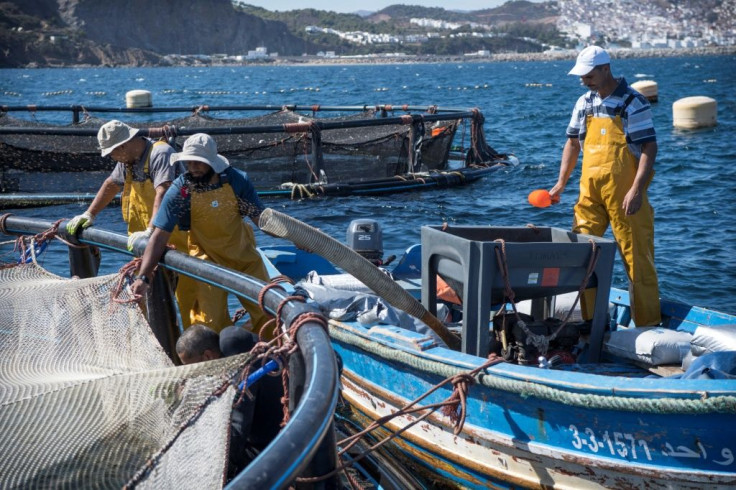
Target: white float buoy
[[138, 98], [694, 112], [648, 88]]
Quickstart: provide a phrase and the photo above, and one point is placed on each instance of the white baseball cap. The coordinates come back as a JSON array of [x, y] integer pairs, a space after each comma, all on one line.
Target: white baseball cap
[[202, 148], [113, 134], [588, 59]]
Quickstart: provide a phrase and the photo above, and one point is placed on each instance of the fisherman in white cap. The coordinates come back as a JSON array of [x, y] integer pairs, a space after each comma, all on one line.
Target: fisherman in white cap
[[612, 124], [143, 172], [211, 201]]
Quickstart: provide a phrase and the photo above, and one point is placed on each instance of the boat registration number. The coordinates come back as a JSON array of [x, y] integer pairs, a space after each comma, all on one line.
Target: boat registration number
[[626, 445]]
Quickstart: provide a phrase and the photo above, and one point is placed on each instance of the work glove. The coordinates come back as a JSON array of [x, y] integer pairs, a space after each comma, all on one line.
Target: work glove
[[138, 234], [84, 220]]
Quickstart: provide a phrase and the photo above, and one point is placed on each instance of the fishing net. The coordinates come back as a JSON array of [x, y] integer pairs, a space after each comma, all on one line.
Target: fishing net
[[349, 154], [89, 399]]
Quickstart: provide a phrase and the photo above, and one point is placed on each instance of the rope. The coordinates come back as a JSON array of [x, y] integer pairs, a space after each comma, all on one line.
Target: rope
[[274, 283], [302, 188], [41, 241], [285, 348], [127, 272], [165, 132], [525, 388], [541, 342], [302, 127], [461, 383]]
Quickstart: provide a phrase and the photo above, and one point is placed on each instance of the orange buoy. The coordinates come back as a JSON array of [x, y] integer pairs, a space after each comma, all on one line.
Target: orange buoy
[[540, 198]]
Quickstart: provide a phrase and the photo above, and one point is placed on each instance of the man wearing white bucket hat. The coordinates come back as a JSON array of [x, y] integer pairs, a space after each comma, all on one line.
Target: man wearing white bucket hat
[[612, 124], [210, 200]]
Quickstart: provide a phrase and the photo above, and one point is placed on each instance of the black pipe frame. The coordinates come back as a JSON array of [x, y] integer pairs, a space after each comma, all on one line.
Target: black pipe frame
[[310, 428]]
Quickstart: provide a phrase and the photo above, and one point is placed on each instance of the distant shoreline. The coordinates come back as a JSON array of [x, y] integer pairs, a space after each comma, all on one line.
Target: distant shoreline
[[616, 53], [620, 53]]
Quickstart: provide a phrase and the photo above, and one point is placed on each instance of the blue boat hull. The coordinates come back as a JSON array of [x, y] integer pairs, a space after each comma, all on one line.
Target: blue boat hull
[[602, 425]]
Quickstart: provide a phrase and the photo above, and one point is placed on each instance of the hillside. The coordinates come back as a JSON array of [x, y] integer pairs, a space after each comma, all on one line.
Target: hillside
[[60, 32], [80, 32], [64, 32]]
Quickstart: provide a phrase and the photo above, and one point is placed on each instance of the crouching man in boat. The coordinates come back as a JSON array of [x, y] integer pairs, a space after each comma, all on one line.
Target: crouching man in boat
[[200, 343], [144, 173], [210, 201], [612, 124]]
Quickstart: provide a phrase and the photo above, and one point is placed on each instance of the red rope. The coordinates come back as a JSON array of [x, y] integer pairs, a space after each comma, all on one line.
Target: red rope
[[302, 127]]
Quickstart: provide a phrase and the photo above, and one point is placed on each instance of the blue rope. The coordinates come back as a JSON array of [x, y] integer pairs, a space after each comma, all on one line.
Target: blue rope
[[270, 366], [26, 257]]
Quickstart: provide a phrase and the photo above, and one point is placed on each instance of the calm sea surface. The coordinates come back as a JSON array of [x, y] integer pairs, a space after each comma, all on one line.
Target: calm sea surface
[[527, 106]]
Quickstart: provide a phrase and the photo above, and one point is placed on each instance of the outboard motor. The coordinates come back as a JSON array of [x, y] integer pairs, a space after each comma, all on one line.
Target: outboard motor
[[366, 238]]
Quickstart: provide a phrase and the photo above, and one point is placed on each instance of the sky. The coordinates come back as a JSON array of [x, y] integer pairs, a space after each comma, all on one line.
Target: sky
[[374, 5]]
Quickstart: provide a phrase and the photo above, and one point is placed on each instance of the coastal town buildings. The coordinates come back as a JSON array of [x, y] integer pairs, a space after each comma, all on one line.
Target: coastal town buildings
[[645, 25], [615, 23]]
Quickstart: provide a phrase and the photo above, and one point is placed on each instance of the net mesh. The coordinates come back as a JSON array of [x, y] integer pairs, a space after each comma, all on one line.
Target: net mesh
[[270, 158], [89, 398]]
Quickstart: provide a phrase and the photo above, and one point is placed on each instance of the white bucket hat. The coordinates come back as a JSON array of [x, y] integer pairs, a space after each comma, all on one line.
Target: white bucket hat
[[588, 59], [113, 134], [202, 148]]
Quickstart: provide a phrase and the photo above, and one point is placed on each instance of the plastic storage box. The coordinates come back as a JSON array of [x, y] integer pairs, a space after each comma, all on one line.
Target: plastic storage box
[[541, 262]]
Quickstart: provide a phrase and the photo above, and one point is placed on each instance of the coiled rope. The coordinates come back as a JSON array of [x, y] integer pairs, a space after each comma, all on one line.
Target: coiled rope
[[525, 388]]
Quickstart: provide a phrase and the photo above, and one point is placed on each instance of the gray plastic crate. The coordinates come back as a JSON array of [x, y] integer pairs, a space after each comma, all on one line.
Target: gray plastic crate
[[542, 262]]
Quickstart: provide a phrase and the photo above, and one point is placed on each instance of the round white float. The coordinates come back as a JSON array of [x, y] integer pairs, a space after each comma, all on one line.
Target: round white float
[[694, 112], [138, 98], [648, 88]]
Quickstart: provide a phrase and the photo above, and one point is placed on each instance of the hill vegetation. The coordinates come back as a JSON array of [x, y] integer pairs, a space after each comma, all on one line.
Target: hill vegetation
[[521, 26], [63, 32], [67, 32]]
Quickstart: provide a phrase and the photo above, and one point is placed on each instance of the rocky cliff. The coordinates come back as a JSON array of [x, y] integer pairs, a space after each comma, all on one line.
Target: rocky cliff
[[131, 32]]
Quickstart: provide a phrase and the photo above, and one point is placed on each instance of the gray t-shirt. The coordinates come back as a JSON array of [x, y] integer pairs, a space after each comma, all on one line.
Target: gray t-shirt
[[159, 169]]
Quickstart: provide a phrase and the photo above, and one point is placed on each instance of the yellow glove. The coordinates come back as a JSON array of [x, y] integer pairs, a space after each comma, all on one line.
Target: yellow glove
[[84, 220]]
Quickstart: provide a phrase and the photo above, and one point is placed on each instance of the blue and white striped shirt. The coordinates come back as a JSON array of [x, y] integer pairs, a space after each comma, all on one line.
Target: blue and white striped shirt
[[636, 119]]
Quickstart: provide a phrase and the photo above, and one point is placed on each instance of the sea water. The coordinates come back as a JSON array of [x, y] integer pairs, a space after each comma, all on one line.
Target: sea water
[[526, 105]]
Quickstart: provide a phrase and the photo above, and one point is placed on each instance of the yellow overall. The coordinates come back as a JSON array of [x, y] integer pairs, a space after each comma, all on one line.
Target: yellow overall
[[219, 234], [137, 206], [608, 173]]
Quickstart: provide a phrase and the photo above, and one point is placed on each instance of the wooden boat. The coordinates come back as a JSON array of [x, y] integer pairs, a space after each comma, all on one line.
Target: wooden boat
[[287, 151], [94, 416], [620, 414]]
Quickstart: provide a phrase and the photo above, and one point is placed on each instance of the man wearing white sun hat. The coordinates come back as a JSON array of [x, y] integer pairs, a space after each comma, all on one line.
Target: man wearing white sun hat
[[612, 125], [210, 201]]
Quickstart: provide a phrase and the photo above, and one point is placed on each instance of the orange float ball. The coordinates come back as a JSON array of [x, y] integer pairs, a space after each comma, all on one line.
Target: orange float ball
[[540, 198]]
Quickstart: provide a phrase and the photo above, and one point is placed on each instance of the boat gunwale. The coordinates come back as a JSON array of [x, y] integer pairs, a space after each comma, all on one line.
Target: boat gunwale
[[574, 382]]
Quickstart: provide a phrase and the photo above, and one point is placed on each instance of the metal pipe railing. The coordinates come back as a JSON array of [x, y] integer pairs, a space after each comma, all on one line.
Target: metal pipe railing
[[77, 109], [322, 125]]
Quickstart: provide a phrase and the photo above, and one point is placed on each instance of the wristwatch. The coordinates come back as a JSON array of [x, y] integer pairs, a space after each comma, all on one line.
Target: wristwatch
[[144, 278]]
